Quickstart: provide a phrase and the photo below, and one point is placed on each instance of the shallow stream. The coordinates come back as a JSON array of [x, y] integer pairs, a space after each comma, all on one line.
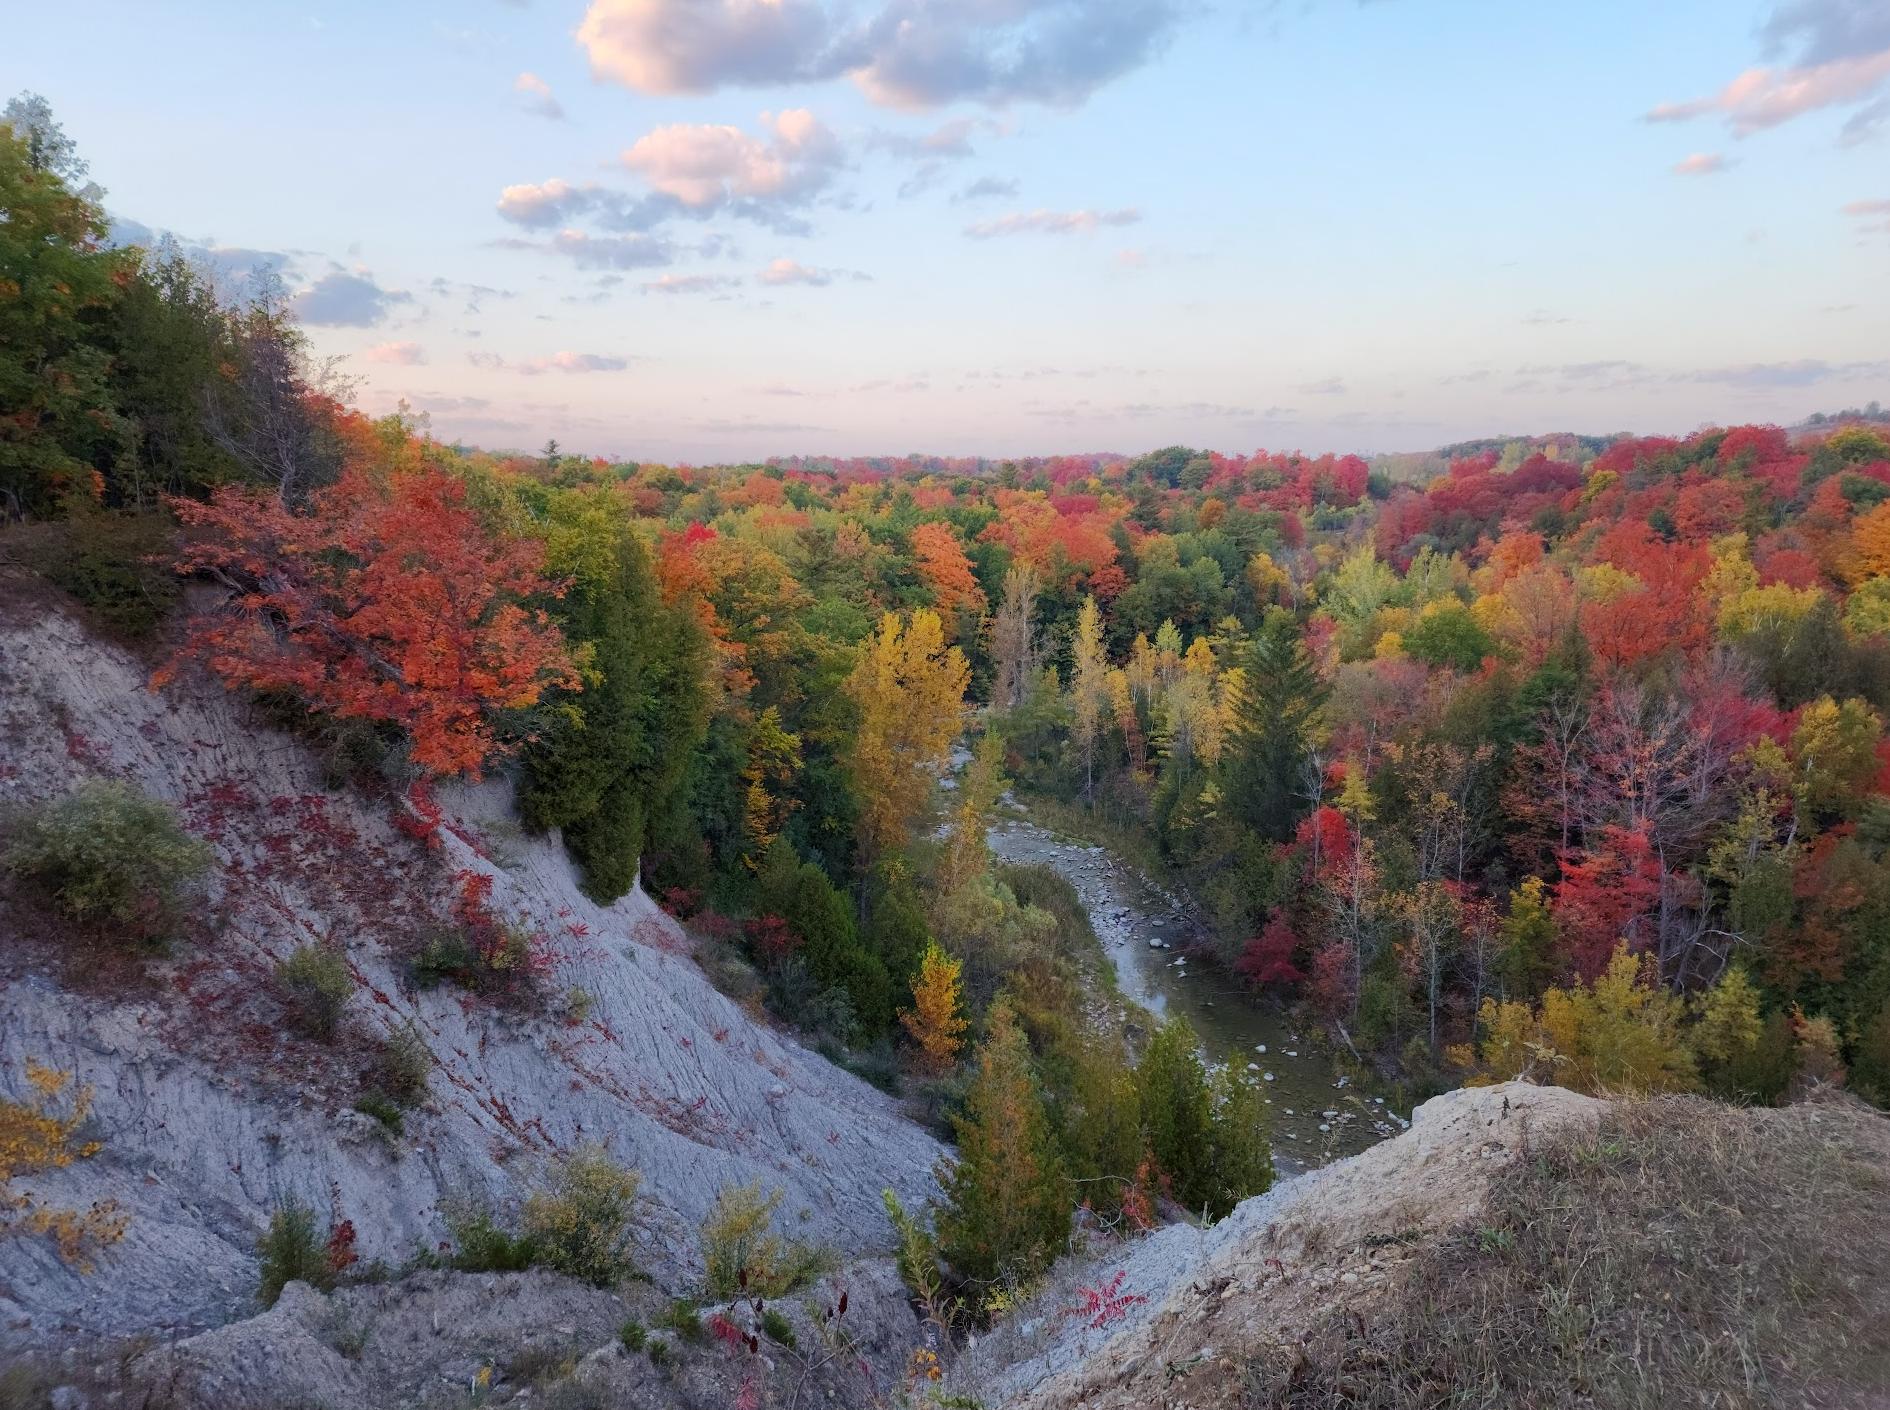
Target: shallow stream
[[1319, 1114]]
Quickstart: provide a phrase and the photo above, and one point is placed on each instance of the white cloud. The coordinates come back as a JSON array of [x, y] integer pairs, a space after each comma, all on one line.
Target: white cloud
[[1047, 222], [709, 165], [902, 53], [1700, 164], [691, 284], [573, 362]]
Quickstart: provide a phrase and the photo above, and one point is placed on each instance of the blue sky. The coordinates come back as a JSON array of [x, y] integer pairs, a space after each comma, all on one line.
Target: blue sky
[[716, 229]]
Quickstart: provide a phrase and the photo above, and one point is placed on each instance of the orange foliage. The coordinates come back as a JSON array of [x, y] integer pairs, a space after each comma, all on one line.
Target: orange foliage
[[386, 600], [944, 568]]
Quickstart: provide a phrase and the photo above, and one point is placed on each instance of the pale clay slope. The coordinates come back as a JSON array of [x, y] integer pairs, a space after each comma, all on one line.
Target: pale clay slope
[[199, 1145], [1268, 1270]]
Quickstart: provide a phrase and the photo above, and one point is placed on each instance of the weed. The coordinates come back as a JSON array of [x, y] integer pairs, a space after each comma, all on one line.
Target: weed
[[316, 984]]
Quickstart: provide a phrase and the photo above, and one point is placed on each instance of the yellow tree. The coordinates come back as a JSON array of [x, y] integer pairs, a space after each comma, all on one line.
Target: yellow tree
[[774, 757], [910, 690], [934, 1020], [1089, 689]]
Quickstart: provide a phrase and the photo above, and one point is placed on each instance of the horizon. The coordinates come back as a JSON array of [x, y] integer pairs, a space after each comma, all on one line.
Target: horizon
[[735, 231]]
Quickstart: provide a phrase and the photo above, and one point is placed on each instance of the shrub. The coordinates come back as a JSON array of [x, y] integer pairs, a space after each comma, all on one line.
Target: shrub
[[745, 1255], [580, 1224], [292, 1252], [110, 855], [317, 984], [658, 1353], [405, 1063], [42, 1133], [481, 1246], [633, 1335], [684, 1318], [777, 1328], [106, 562], [383, 1109]]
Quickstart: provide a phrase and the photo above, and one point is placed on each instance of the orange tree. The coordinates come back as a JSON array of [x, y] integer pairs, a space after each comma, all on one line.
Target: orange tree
[[386, 600]]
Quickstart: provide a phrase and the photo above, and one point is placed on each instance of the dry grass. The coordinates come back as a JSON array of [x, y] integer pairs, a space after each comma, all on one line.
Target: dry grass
[[1685, 1254]]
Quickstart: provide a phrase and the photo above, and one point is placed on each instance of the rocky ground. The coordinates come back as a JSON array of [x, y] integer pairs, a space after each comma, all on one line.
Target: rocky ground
[[211, 1112]]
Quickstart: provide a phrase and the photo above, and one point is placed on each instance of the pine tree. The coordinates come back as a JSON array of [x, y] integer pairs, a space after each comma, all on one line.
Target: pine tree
[[1007, 1212], [1278, 713], [1178, 1113]]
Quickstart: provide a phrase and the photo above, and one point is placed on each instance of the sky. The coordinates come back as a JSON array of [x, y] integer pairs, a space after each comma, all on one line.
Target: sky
[[714, 230]]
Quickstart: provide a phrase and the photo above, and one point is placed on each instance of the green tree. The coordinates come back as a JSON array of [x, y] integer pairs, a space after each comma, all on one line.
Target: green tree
[[1276, 715], [1178, 1114], [617, 752], [1007, 1210], [57, 284]]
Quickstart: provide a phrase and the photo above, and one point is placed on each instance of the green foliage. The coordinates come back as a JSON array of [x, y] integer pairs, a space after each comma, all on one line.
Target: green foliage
[[110, 856], [1279, 710], [683, 1316], [579, 1224], [616, 753], [116, 565], [1007, 1212], [633, 1335], [481, 1245], [800, 893], [317, 983], [778, 1329], [292, 1251], [383, 1109], [1178, 1114], [1449, 636], [745, 1256]]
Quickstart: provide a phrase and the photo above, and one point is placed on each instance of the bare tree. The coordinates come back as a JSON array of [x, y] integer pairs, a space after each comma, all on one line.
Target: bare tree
[[267, 413], [1016, 648]]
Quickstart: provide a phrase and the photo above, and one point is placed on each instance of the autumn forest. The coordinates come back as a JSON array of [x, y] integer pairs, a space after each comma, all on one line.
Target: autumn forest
[[1560, 757]]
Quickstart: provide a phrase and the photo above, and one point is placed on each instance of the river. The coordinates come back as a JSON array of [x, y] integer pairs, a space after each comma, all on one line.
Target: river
[[1318, 1113]]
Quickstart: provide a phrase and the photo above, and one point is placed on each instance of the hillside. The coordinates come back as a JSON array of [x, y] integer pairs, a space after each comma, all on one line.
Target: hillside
[[212, 1110]]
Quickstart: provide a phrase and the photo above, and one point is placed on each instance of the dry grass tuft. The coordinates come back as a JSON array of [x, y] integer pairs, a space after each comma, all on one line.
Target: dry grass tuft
[[1684, 1254]]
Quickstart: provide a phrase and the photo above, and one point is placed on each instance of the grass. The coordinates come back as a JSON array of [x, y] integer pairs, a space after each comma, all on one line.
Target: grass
[[1683, 1254]]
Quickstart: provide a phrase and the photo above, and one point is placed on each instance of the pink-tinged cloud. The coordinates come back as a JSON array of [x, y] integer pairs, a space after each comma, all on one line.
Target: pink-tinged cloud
[[787, 271], [574, 362], [535, 96], [690, 284], [1700, 164], [1045, 222], [1761, 98], [705, 165], [405, 354], [1873, 215], [902, 53]]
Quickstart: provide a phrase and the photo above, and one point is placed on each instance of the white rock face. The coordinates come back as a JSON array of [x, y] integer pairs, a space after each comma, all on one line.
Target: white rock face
[[1240, 1280], [211, 1112]]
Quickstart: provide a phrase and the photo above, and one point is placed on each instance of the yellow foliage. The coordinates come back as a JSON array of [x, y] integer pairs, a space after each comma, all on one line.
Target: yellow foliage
[[910, 688], [934, 1020], [1390, 647], [1773, 605], [35, 1135], [1620, 1034], [1603, 582]]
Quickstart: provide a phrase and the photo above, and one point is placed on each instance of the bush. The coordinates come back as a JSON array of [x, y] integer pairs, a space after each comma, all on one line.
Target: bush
[[292, 1252], [632, 1335], [684, 1318], [110, 855], [383, 1109], [317, 984], [481, 1246], [743, 1253], [580, 1224], [405, 1063], [777, 1328], [114, 564]]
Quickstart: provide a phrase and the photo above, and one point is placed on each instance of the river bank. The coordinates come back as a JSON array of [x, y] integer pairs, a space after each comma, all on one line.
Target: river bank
[[1319, 1112]]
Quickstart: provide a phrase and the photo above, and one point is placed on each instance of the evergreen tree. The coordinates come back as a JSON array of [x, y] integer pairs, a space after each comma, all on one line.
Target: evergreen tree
[[1007, 1212], [1273, 726]]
